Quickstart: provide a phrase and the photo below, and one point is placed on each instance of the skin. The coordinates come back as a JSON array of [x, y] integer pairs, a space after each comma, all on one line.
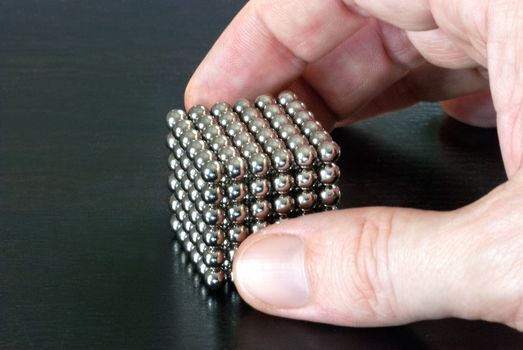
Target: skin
[[369, 57]]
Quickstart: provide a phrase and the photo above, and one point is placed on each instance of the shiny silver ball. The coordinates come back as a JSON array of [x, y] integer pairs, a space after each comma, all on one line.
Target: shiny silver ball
[[243, 138], [227, 153], [305, 179], [179, 152], [296, 140], [194, 148], [187, 205], [257, 124], [237, 233], [271, 110], [181, 235], [212, 193], [202, 158], [234, 129], [199, 182], [200, 205], [213, 236], [294, 107], [280, 120], [171, 141], [271, 145], [288, 130], [212, 171], [260, 188], [211, 132], [235, 168], [180, 193], [250, 149], [195, 256], [213, 256], [329, 173], [219, 142], [228, 118], [265, 134], [305, 155], [186, 164], [194, 194], [188, 227], [330, 195], [303, 116], [193, 173], [236, 191], [213, 216], [197, 111], [174, 116], [188, 136], [241, 105], [283, 204], [264, 100], [204, 121], [176, 224], [281, 159], [286, 97], [186, 182], [214, 278], [310, 127], [202, 227], [180, 127], [329, 152], [220, 108], [257, 226], [173, 162], [194, 215], [282, 183], [173, 202], [319, 137], [306, 200], [259, 164], [260, 209], [188, 246], [181, 214], [249, 114], [201, 267], [237, 213]]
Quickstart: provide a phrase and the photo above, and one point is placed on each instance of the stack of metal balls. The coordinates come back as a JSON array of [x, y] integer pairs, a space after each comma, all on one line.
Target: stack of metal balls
[[237, 169]]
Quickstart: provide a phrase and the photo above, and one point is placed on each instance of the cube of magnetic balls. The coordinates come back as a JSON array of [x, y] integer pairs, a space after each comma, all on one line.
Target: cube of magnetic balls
[[237, 169]]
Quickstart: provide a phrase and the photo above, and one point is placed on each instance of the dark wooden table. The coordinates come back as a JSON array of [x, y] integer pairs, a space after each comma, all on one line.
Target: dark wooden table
[[86, 258]]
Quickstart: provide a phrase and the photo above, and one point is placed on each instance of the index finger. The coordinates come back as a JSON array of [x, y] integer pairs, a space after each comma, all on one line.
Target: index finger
[[267, 46]]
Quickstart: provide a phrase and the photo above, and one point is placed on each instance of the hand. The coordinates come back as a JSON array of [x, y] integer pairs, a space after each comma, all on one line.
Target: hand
[[350, 60]]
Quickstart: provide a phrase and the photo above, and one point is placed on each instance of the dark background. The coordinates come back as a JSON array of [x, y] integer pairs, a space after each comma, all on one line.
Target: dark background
[[86, 258]]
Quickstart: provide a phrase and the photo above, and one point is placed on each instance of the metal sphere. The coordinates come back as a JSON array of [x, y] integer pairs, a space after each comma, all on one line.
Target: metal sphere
[[180, 127], [236, 191], [227, 153], [319, 137], [257, 226], [195, 256], [249, 114], [282, 183], [306, 200], [288, 130], [329, 173], [186, 182], [179, 193], [237, 233], [181, 235], [259, 164], [271, 145], [260, 188], [219, 142], [181, 214], [193, 173], [201, 246], [271, 110], [204, 121], [281, 159], [328, 151], [173, 162], [173, 202], [303, 116], [234, 129], [213, 216], [171, 140], [228, 118], [214, 278], [305, 155], [265, 134], [262, 101], [201, 267], [235, 168], [188, 227], [174, 116], [211, 132], [194, 148], [188, 246], [237, 213], [294, 107], [202, 158], [194, 215], [310, 126], [199, 182], [188, 136], [212, 194], [186, 164], [260, 209], [243, 138], [306, 178], [176, 224], [202, 227], [257, 124], [197, 111], [179, 152], [200, 205], [220, 108], [278, 120], [213, 236], [250, 149], [213, 256], [241, 105], [212, 171], [283, 204], [330, 195], [187, 205], [194, 194], [293, 141], [286, 96]]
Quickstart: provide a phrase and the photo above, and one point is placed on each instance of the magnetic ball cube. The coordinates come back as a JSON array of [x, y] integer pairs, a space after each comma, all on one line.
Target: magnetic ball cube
[[237, 169]]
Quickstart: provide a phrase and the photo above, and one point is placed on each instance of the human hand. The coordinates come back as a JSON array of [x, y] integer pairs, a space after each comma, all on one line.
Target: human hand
[[350, 60]]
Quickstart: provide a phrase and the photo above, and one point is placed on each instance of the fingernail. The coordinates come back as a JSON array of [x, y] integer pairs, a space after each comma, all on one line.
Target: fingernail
[[272, 270]]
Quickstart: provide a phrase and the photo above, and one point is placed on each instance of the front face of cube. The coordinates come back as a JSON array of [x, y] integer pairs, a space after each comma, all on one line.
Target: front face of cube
[[237, 169]]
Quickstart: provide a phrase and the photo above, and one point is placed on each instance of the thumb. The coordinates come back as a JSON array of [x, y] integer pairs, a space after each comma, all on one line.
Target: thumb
[[386, 266]]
